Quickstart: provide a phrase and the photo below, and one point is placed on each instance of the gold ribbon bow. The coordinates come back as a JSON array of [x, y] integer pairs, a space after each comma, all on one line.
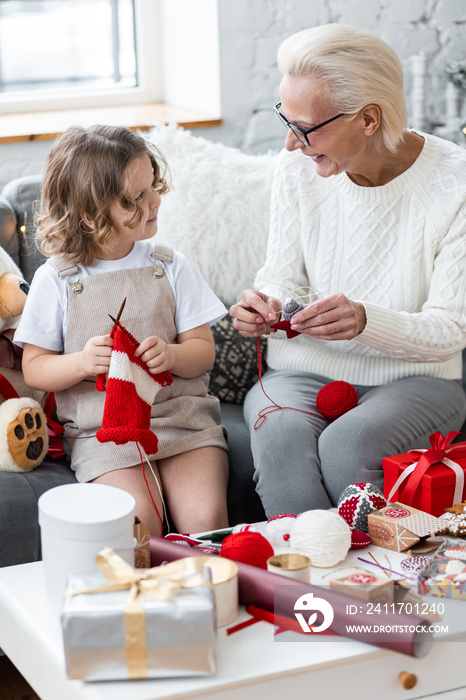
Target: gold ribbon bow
[[160, 583]]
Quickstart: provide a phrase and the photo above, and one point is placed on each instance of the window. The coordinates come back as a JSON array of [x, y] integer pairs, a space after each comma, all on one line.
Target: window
[[60, 49], [69, 54], [84, 52]]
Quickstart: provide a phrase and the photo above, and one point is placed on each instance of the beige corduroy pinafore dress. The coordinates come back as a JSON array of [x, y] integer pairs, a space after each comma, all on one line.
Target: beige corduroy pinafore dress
[[183, 416]]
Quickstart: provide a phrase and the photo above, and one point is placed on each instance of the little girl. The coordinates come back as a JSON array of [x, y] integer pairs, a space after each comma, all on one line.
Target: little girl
[[100, 198]]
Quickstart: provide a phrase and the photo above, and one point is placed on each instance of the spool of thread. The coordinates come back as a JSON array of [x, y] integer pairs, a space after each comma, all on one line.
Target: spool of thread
[[322, 535], [247, 547], [335, 399]]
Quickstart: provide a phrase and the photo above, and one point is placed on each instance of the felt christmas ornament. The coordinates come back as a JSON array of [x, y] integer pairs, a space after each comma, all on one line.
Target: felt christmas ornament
[[359, 539], [131, 390], [290, 308], [357, 501], [248, 548], [322, 535], [278, 529], [335, 399]]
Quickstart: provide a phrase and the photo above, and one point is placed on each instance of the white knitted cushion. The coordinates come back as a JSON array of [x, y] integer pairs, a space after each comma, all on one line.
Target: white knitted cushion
[[218, 210]]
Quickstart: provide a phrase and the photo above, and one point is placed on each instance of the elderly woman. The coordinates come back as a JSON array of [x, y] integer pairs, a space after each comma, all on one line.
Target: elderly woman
[[372, 216]]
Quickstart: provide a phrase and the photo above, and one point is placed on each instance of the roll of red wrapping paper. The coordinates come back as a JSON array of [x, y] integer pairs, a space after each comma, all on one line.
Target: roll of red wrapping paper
[[257, 587]]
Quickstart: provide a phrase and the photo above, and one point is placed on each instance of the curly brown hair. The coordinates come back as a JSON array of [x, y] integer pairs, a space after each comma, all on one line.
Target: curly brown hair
[[86, 173]]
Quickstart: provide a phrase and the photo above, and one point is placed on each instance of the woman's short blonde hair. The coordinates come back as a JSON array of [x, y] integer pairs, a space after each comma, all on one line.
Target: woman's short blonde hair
[[86, 173], [355, 68]]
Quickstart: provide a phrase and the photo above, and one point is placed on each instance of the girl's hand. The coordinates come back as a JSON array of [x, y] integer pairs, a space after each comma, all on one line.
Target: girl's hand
[[158, 355], [95, 356], [333, 318], [254, 313]]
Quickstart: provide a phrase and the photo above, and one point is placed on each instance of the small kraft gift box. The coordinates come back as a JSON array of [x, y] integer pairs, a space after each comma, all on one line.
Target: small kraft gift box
[[127, 623], [430, 480], [363, 584], [399, 527]]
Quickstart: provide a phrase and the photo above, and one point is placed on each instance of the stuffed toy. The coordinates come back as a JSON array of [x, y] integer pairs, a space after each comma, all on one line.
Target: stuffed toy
[[23, 431], [13, 292], [23, 424]]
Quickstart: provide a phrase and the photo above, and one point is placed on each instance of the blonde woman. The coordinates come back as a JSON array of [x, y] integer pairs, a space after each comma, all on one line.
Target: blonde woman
[[371, 215]]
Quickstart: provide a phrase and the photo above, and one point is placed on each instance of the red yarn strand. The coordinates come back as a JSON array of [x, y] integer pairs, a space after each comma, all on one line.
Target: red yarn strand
[[274, 406], [332, 401], [148, 488]]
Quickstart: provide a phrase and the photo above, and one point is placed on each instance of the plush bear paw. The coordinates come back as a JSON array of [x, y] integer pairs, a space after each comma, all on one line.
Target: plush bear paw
[[23, 435]]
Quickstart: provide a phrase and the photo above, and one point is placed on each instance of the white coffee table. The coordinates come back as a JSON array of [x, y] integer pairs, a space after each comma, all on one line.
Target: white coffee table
[[251, 662]]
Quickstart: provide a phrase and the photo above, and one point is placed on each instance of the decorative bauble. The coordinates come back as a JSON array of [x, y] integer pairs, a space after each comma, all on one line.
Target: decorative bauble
[[335, 399], [357, 501], [247, 547], [414, 564], [359, 539], [322, 535], [278, 529]]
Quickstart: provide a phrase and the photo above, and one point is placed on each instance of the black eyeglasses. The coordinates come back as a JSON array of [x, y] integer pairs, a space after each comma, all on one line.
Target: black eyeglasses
[[301, 134]]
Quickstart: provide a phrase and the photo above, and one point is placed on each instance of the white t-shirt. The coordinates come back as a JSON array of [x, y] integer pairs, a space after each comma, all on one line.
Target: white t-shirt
[[44, 319]]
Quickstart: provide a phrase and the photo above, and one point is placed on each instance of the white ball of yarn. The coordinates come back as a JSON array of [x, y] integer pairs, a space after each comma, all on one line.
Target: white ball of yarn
[[322, 535]]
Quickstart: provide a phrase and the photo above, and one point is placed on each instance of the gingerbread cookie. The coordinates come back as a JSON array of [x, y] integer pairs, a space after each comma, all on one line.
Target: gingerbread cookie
[[454, 521], [458, 509]]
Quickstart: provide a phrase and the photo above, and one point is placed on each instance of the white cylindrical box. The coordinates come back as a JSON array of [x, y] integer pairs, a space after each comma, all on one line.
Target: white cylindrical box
[[76, 522]]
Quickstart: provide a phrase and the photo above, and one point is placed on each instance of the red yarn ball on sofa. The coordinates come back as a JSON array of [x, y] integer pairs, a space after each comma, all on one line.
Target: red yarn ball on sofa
[[248, 548], [335, 399]]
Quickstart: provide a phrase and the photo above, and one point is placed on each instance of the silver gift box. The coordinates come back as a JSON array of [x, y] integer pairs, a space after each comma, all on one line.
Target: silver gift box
[[179, 639]]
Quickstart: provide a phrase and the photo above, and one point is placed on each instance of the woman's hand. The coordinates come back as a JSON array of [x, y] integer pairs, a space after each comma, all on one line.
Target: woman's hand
[[158, 355], [333, 318], [95, 356], [254, 313]]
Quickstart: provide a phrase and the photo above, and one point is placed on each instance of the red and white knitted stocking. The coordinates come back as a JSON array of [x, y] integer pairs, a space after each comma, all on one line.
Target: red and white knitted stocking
[[131, 390]]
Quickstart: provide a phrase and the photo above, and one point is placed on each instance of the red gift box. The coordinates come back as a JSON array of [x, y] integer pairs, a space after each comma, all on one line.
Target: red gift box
[[430, 480]]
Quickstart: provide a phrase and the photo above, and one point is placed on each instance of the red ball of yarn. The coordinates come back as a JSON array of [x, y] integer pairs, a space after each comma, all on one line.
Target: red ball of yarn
[[247, 547], [335, 399]]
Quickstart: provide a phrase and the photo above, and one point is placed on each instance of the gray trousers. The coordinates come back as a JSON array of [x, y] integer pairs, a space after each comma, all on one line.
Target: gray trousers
[[303, 462]]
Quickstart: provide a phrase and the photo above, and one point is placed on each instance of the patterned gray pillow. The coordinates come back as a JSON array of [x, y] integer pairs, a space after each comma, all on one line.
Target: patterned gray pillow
[[236, 366]]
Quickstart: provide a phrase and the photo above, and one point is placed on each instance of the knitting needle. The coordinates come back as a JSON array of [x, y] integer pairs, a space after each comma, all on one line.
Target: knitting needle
[[372, 557], [397, 573], [115, 320], [217, 536]]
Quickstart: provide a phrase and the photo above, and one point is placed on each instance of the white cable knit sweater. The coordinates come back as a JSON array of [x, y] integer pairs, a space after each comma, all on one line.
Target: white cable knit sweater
[[400, 249]]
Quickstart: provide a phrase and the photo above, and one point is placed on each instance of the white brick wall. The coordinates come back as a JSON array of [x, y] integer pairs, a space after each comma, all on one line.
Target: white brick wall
[[250, 32], [250, 38]]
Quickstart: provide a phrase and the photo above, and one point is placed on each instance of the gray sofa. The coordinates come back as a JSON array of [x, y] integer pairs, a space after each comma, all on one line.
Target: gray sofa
[[217, 214]]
